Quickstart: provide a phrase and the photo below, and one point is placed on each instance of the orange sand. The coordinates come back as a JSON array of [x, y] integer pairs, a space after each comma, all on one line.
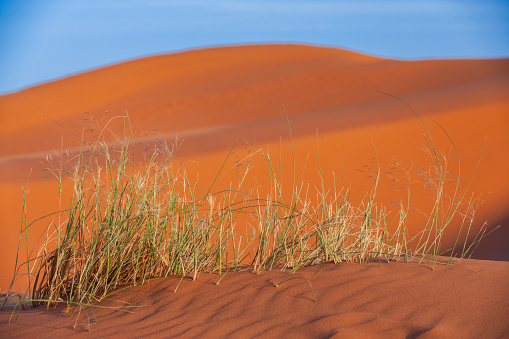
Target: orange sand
[[211, 98], [395, 300]]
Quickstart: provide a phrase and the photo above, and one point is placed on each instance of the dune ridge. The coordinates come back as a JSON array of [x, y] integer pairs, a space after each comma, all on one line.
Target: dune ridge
[[231, 85]]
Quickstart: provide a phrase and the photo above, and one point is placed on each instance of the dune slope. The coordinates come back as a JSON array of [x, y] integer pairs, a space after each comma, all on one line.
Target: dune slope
[[469, 299]]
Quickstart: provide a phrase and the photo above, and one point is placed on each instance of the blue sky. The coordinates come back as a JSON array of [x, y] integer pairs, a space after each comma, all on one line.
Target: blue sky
[[43, 40]]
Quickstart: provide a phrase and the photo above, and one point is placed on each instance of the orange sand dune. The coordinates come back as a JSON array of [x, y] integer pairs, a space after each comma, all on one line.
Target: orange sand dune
[[232, 85], [212, 98], [469, 299]]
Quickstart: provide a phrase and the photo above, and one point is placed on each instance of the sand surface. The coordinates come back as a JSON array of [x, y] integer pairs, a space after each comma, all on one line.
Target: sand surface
[[389, 300], [212, 98]]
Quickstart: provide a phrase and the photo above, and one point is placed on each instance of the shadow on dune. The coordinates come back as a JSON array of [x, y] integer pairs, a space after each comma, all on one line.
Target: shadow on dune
[[496, 245]]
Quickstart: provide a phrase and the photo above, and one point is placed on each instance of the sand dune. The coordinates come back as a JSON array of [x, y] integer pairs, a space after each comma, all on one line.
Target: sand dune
[[212, 98], [396, 300]]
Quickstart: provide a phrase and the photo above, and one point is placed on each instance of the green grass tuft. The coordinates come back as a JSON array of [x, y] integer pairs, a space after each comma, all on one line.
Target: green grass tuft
[[130, 222]]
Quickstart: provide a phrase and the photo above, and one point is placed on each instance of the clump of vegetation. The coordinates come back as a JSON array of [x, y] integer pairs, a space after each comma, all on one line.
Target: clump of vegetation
[[128, 222]]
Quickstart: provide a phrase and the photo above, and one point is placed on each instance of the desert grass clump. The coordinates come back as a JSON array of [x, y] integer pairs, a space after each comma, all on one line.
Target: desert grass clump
[[134, 216], [125, 225]]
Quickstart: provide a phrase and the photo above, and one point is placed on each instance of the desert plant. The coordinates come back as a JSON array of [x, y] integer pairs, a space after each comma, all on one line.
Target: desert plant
[[129, 221]]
